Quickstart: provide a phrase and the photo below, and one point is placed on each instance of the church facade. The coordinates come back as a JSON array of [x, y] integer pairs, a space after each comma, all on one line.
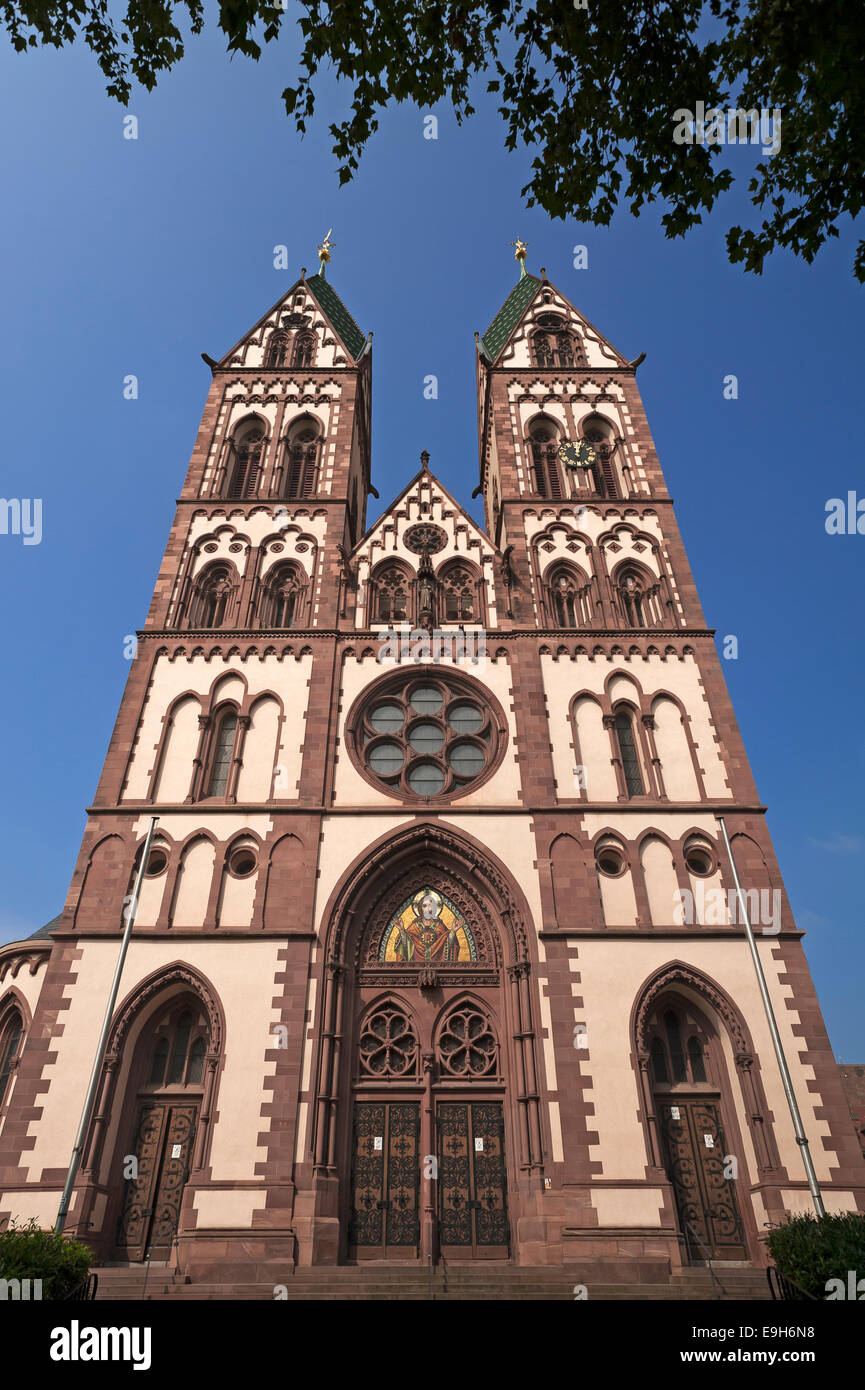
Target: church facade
[[436, 952]]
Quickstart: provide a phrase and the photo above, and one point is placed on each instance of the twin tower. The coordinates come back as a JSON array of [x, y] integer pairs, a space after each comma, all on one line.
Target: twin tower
[[434, 954]]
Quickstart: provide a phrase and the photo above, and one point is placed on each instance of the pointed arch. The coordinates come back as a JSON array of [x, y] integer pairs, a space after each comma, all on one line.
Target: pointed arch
[[175, 977], [247, 448], [301, 452], [541, 445], [364, 885], [212, 595], [391, 592], [568, 594]]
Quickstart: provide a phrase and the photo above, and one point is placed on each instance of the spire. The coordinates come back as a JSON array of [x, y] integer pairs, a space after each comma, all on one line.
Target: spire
[[520, 254], [324, 251]]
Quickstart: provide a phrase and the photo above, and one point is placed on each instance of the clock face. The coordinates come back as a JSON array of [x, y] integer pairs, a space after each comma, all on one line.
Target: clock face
[[577, 455]]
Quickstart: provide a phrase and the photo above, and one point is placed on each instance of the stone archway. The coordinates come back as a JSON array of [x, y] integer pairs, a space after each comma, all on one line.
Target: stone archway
[[690, 1113], [149, 1136], [426, 1118]]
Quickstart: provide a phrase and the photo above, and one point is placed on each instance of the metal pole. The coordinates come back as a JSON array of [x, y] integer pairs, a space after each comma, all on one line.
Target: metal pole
[[89, 1100], [798, 1127]]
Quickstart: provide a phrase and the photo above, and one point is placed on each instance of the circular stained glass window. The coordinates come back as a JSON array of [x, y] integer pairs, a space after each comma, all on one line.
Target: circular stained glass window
[[465, 719], [426, 779], [387, 719], [466, 759], [386, 759], [427, 734], [426, 738], [427, 699]]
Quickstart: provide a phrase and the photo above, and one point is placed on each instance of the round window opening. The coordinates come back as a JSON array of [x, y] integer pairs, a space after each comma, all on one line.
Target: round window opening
[[242, 863], [698, 860], [156, 863], [428, 734], [610, 860]]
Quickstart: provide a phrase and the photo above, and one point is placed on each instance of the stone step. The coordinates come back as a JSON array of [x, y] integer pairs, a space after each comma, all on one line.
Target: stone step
[[388, 1293], [489, 1282]]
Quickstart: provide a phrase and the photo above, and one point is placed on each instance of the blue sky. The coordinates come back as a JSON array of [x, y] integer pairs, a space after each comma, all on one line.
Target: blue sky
[[131, 257]]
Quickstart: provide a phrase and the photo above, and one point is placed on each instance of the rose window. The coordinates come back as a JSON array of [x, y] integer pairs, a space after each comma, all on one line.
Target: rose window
[[387, 1043], [467, 1046], [426, 735]]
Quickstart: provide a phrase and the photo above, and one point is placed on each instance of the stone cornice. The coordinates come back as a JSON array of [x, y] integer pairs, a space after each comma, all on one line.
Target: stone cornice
[[538, 808], [546, 634], [16, 954]]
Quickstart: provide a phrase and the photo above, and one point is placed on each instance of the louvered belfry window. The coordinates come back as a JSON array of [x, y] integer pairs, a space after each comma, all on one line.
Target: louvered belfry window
[[545, 464], [243, 480], [301, 457], [628, 754]]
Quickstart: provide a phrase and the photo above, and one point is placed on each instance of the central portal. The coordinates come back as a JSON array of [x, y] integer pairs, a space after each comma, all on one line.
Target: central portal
[[426, 1127], [467, 1170]]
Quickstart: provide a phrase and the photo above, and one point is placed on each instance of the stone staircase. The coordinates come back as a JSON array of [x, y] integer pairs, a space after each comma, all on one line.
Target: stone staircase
[[459, 1283]]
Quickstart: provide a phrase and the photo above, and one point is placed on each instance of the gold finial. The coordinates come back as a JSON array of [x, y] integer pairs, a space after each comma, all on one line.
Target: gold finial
[[324, 253], [520, 254]]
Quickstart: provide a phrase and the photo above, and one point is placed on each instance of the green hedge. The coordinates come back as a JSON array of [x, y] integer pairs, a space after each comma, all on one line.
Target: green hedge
[[27, 1252], [811, 1250]]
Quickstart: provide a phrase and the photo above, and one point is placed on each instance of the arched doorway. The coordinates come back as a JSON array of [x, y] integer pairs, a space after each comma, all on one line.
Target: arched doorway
[[166, 1090], [699, 1076], [149, 1137], [688, 1078], [427, 1106]]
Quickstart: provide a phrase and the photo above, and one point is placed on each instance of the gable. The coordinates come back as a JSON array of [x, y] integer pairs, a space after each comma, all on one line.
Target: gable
[[397, 536], [508, 340], [310, 307]]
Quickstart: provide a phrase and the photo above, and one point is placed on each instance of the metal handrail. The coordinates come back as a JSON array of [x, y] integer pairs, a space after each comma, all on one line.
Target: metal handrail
[[786, 1290], [715, 1279], [84, 1291]]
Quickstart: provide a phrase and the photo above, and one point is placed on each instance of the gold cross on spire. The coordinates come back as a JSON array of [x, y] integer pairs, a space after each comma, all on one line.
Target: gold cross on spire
[[520, 254], [324, 252]]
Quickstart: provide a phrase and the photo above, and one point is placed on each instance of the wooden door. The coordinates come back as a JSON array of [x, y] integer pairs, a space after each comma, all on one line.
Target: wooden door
[[473, 1211], [164, 1136], [385, 1181], [705, 1198]]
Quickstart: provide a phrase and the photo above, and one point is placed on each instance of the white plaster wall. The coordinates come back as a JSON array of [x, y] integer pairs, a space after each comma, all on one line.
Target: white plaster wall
[[289, 678], [564, 676], [242, 976]]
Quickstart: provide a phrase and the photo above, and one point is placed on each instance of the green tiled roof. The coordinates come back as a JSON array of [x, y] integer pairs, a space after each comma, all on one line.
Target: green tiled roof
[[338, 315], [509, 315], [44, 933]]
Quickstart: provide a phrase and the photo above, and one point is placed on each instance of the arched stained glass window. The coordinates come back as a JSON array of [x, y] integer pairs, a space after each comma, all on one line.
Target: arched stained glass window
[[628, 754], [223, 751], [10, 1038]]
